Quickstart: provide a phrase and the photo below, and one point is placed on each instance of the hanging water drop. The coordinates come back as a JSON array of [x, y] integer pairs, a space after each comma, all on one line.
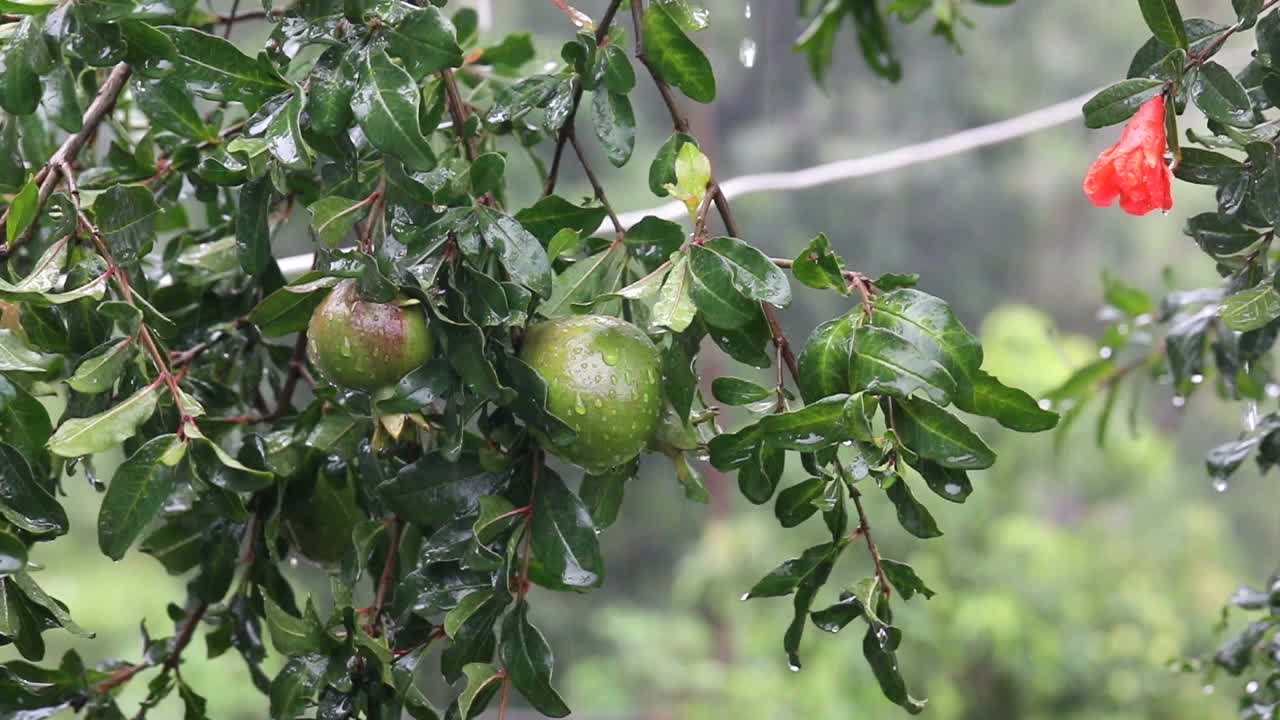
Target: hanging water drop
[[1273, 390], [1251, 687], [1179, 401], [793, 665], [747, 52], [747, 11], [1220, 484], [1208, 689], [745, 596], [1250, 417], [1104, 352], [1045, 403], [1197, 379]]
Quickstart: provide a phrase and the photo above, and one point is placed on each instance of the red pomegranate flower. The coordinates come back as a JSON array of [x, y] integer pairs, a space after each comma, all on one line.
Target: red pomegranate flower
[[1134, 168]]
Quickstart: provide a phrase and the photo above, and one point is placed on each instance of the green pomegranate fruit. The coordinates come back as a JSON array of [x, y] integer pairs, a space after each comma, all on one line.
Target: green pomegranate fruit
[[604, 380], [365, 345]]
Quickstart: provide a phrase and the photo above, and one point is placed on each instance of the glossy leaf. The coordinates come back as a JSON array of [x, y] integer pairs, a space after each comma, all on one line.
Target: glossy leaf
[[24, 501], [387, 105], [424, 40], [675, 57], [137, 491], [98, 433], [529, 663], [566, 551], [937, 435], [215, 69]]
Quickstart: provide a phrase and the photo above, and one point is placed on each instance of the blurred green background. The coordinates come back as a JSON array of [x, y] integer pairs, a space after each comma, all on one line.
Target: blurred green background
[[1068, 581]]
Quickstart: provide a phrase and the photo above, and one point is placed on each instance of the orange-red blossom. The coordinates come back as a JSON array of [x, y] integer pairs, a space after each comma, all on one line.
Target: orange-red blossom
[[1134, 169]]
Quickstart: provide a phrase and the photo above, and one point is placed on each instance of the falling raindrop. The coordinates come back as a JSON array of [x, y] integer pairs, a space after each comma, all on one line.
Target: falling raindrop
[[1250, 418], [1252, 687], [293, 562], [747, 52], [1208, 689], [1179, 401], [747, 12], [1197, 379], [1045, 403], [1273, 390], [1220, 484], [1104, 352]]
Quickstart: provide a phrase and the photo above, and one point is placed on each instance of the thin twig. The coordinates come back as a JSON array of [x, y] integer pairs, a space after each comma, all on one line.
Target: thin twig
[[458, 111], [566, 130], [595, 184], [386, 579], [48, 176], [230, 20]]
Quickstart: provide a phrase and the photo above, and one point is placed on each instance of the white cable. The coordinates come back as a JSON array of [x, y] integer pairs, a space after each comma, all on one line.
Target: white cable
[[955, 144]]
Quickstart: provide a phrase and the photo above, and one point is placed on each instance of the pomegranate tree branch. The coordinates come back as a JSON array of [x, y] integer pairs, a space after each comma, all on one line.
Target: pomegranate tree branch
[[49, 175], [566, 130], [595, 185]]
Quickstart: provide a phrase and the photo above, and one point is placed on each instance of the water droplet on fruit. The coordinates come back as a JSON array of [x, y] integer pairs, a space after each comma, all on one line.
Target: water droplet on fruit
[[610, 357], [579, 407]]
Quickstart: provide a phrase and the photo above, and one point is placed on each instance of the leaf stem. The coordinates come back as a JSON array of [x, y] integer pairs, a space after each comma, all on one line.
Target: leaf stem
[[386, 579], [566, 130], [49, 175], [595, 184]]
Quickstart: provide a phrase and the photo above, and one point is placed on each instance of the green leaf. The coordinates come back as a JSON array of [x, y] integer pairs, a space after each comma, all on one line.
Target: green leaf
[[602, 494], [615, 125], [22, 211], [819, 267], [285, 311], [929, 324], [754, 274], [1251, 309], [1165, 21], [151, 53], [425, 40], [784, 579], [619, 76], [758, 478], [23, 500], [529, 662], [664, 236], [1011, 407], [824, 361], [693, 173], [168, 105], [912, 516], [583, 281], [820, 424], [26, 422], [1117, 103], [333, 217], [935, 434], [711, 284], [126, 216], [295, 684], [487, 172], [878, 647], [520, 252], [16, 356], [284, 135], [904, 578], [553, 214], [387, 106], [107, 429], [136, 493], [736, 391], [483, 682], [38, 596], [253, 234], [13, 554], [434, 491], [675, 57], [674, 308], [333, 85], [289, 635], [799, 502], [27, 7], [98, 374], [566, 551], [215, 69], [19, 79], [1216, 92], [887, 363], [947, 483], [662, 171]]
